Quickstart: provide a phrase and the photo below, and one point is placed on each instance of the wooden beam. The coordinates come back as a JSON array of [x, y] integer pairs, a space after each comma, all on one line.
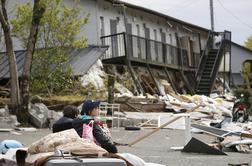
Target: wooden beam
[[170, 80], [153, 78], [135, 79], [153, 131]]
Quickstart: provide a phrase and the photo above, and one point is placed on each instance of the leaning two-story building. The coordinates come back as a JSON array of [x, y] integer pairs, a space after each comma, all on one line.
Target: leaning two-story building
[[163, 45], [140, 39]]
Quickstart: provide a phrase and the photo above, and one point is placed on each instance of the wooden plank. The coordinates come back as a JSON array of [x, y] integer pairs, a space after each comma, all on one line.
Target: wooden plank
[[152, 132]]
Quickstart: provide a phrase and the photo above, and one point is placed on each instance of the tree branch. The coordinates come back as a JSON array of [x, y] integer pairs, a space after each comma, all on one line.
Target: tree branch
[[3, 15]]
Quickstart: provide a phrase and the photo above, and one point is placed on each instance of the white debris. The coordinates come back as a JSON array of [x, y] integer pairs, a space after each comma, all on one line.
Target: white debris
[[122, 90], [94, 76]]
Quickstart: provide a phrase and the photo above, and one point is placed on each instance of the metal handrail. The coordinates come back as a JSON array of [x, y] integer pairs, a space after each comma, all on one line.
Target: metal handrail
[[116, 34], [159, 42], [125, 35], [218, 56], [203, 57]]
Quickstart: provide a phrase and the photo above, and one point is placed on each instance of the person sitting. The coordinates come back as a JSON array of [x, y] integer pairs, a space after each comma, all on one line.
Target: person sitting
[[90, 110], [69, 113]]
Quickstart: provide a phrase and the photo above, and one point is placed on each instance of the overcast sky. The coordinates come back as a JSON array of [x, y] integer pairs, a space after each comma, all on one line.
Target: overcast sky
[[233, 15]]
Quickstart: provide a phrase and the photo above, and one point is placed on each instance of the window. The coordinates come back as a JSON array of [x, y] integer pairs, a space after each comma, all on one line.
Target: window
[[138, 41], [102, 26], [155, 44], [138, 30], [155, 34]]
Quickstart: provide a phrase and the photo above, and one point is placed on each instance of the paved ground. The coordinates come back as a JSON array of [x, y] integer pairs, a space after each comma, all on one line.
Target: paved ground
[[155, 148]]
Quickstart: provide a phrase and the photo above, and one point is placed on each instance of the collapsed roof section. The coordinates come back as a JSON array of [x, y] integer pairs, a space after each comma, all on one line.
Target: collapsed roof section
[[81, 60]]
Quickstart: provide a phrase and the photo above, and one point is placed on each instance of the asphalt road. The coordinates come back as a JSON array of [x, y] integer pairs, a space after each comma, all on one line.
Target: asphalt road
[[155, 148]]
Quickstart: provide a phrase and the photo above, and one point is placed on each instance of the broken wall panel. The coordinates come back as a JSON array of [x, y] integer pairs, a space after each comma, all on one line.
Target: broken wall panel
[[197, 146]]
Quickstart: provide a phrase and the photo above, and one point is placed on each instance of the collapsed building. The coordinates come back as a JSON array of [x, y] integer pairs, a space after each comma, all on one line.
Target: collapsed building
[[151, 46]]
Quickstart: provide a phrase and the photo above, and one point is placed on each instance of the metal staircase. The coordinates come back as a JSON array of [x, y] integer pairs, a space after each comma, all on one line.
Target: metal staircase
[[210, 63]]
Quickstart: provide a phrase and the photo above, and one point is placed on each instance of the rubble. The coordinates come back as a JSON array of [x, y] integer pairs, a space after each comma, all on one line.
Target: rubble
[[38, 114], [7, 121], [94, 76], [41, 116], [4, 112], [215, 110], [197, 146], [4, 92]]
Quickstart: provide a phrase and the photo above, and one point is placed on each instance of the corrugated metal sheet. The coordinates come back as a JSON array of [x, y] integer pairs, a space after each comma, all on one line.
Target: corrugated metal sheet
[[4, 63], [81, 60]]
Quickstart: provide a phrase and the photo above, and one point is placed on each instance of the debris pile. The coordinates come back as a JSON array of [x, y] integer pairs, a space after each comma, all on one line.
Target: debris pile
[[212, 115], [94, 76]]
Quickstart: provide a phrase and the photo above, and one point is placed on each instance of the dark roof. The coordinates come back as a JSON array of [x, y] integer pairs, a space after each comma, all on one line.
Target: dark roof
[[81, 60], [158, 14], [4, 63], [245, 48]]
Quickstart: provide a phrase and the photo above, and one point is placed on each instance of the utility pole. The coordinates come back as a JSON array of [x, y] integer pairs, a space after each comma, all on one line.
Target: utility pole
[[212, 15]]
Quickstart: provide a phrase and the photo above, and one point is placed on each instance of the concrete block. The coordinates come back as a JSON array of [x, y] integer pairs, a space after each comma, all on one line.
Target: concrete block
[[39, 115]]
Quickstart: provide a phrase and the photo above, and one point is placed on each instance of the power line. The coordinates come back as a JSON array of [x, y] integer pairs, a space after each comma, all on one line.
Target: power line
[[185, 5], [232, 14], [173, 7]]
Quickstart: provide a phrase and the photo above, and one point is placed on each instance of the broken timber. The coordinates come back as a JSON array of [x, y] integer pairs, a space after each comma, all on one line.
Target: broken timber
[[153, 78], [136, 81], [153, 131], [170, 80]]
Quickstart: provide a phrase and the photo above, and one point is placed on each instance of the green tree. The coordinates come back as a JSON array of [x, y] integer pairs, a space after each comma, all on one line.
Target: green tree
[[37, 13], [58, 35], [248, 43], [14, 94]]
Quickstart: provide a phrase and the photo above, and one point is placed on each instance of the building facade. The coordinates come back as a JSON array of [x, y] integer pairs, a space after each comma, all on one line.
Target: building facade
[[140, 37]]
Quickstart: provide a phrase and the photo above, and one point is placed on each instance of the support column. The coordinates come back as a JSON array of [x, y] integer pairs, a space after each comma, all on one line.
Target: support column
[[111, 85], [189, 86], [170, 80], [153, 78], [136, 81]]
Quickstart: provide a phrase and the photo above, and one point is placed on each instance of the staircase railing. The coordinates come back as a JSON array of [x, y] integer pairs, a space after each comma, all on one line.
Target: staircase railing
[[217, 61], [203, 58]]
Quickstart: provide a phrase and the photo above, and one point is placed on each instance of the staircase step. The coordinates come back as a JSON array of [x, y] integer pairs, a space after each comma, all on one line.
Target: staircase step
[[206, 73], [212, 54], [210, 60], [204, 84], [209, 65], [205, 87], [205, 80], [208, 69], [202, 93], [214, 50]]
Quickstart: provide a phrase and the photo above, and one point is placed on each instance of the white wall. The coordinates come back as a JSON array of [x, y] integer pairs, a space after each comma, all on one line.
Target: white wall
[[98, 8], [90, 30], [139, 17], [144, 19], [238, 56]]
